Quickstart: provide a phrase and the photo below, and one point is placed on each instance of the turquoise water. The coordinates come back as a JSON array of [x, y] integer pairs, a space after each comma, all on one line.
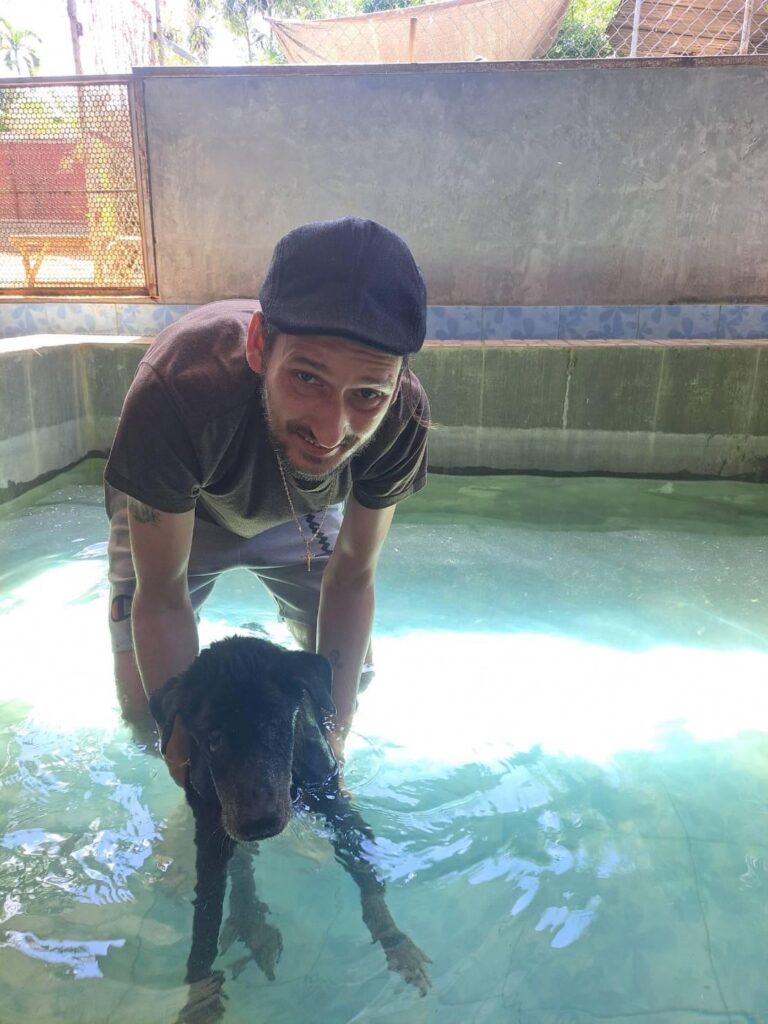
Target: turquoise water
[[564, 757]]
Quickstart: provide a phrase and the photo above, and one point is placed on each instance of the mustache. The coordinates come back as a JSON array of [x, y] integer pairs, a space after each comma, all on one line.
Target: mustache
[[350, 446], [348, 441]]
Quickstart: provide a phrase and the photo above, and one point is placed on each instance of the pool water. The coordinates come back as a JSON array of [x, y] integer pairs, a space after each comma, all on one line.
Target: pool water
[[563, 756]]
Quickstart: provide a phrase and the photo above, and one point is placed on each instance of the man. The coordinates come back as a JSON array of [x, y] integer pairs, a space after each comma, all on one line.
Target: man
[[277, 435]]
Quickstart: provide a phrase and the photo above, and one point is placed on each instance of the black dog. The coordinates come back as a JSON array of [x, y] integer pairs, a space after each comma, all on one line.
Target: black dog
[[255, 714]]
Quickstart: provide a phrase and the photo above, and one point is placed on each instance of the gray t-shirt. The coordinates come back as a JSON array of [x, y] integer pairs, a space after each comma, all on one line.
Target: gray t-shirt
[[193, 433]]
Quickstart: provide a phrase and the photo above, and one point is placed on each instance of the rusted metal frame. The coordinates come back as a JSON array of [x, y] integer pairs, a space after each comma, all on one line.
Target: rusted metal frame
[[143, 193], [67, 191], [49, 81], [44, 292]]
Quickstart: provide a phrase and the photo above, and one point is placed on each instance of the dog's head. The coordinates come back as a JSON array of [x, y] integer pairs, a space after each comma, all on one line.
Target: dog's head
[[247, 704]]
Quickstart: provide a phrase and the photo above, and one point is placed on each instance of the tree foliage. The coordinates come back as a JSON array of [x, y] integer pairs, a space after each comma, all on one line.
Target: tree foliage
[[371, 6], [243, 18], [583, 32], [247, 20], [200, 15], [17, 49]]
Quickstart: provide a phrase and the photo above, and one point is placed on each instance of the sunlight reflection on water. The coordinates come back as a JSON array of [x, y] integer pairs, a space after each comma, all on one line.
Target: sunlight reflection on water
[[556, 817]]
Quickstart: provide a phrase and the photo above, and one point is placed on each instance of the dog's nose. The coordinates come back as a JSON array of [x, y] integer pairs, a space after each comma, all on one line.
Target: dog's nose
[[261, 828]]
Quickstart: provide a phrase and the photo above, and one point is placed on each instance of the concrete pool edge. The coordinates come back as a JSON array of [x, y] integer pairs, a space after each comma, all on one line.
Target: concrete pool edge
[[689, 408]]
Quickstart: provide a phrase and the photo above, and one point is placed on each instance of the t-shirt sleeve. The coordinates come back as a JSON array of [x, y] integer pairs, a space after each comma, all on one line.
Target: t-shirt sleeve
[[152, 457], [394, 465]]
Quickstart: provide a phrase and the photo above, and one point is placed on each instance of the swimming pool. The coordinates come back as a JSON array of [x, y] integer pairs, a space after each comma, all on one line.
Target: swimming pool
[[563, 756]]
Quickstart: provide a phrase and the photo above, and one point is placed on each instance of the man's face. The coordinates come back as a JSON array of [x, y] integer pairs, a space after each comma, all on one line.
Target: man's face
[[325, 398]]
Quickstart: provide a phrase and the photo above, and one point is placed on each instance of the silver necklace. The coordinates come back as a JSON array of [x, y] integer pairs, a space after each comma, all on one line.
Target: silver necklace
[[306, 541]]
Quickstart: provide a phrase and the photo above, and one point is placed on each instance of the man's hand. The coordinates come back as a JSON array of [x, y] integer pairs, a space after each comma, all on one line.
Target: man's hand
[[164, 629], [336, 743], [336, 740], [177, 754]]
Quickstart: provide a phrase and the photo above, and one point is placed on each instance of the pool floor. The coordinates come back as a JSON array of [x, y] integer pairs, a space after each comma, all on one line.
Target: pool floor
[[563, 757]]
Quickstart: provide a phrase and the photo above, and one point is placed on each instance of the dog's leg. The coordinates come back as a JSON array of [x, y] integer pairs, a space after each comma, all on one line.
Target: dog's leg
[[348, 833], [247, 919], [213, 851]]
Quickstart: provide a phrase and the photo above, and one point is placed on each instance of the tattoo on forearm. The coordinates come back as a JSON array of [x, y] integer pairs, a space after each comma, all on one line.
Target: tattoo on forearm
[[142, 513], [335, 659]]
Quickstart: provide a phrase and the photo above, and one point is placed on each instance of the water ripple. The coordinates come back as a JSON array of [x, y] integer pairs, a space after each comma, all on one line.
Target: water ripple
[[78, 958]]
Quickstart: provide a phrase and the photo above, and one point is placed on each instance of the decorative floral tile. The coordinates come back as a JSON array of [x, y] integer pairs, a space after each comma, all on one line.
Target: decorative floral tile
[[678, 322], [448, 323], [135, 319], [145, 320], [743, 322], [166, 315], [18, 319], [81, 318], [518, 322], [444, 323], [590, 322]]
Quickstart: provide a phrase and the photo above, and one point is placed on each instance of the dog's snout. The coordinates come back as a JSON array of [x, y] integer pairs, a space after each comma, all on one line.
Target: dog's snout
[[261, 828], [256, 812]]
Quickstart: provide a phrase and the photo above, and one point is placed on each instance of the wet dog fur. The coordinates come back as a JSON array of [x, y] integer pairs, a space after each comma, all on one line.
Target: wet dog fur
[[255, 714]]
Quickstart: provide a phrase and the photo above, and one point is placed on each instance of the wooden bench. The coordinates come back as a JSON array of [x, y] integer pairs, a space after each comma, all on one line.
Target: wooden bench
[[34, 248]]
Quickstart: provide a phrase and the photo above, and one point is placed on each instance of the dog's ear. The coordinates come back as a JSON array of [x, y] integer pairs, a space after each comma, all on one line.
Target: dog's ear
[[164, 705], [314, 673]]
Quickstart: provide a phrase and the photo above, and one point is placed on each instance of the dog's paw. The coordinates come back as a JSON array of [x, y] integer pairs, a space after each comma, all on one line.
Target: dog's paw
[[205, 1001], [406, 959], [266, 945], [263, 940]]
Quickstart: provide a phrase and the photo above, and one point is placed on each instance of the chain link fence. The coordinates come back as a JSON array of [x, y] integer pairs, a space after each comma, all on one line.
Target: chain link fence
[[468, 30], [69, 205], [122, 34]]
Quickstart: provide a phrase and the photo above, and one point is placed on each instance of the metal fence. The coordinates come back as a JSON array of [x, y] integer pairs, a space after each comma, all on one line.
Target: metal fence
[[465, 30], [69, 204], [121, 34]]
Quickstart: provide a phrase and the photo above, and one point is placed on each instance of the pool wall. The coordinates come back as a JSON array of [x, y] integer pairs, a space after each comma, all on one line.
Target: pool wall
[[618, 182], [588, 230], [657, 407]]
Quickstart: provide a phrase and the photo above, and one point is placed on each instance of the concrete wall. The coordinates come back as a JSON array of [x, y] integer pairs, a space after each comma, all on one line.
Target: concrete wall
[[535, 184], [651, 408], [60, 398]]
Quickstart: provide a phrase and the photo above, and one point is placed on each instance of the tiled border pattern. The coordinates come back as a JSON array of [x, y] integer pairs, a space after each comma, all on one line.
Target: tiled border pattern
[[444, 323], [131, 318]]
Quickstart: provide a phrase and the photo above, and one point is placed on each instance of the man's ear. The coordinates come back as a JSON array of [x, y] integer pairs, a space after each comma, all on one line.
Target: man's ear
[[254, 343], [314, 673], [164, 705]]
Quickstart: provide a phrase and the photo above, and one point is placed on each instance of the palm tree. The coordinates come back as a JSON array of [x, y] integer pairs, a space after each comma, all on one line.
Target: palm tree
[[16, 48]]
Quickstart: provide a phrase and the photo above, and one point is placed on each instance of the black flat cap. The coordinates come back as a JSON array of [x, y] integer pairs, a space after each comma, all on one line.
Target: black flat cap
[[350, 278]]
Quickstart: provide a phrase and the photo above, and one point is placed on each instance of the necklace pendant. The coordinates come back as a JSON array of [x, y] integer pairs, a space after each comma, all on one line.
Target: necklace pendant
[[314, 529]]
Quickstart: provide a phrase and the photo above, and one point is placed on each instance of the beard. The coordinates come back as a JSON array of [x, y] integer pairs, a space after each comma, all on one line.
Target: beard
[[352, 444]]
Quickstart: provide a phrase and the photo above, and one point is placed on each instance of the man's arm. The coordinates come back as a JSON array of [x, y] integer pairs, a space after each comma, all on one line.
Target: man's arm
[[347, 602], [164, 628]]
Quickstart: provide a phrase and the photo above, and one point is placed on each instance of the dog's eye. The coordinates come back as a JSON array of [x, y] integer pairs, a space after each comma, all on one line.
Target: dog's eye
[[215, 741]]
